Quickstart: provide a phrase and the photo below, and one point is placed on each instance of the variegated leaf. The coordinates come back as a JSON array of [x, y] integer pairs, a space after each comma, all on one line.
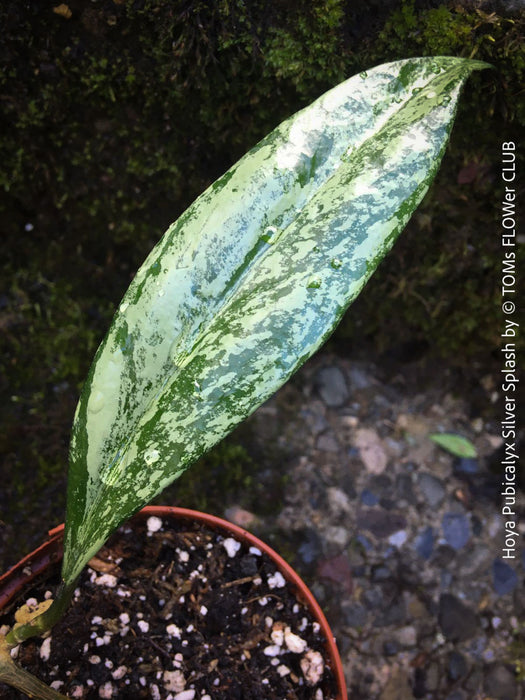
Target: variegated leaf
[[249, 282]]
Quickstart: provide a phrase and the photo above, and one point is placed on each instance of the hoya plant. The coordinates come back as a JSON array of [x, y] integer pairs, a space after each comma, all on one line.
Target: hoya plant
[[243, 288]]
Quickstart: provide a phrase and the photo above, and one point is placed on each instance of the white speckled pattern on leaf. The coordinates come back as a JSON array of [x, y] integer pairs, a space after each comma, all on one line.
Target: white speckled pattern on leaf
[[249, 282]]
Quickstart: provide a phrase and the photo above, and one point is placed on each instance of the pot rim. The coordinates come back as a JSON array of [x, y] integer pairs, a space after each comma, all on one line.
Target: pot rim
[[50, 552]]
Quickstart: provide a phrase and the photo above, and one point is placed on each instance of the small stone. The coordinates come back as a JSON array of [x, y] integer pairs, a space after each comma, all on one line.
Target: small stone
[[456, 530], [477, 526], [406, 636], [500, 683], [327, 442], [338, 536], [457, 666], [504, 577], [476, 559], [314, 417], [371, 450], [380, 523], [424, 543], [465, 466], [368, 498], [456, 695], [398, 539], [331, 385], [337, 570], [311, 548], [443, 556], [364, 542], [355, 615], [397, 687], [404, 488], [380, 573], [457, 621], [393, 613], [359, 379], [240, 516], [338, 501], [390, 648], [432, 676], [432, 489]]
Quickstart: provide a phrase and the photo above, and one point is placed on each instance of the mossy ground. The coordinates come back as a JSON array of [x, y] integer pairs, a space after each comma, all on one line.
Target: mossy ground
[[115, 114]]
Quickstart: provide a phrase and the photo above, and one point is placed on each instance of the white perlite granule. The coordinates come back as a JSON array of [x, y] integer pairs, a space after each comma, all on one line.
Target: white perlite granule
[[294, 643], [312, 666], [174, 631], [276, 580], [174, 680], [154, 524], [106, 691], [45, 649], [143, 626], [107, 580], [185, 695], [119, 672], [231, 546], [272, 650]]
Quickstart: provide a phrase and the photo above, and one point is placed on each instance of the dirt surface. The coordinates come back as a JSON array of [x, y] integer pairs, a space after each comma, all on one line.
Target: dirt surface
[[177, 613]]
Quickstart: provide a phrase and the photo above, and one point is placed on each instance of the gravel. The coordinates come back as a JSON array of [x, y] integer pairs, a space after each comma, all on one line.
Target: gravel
[[401, 542]]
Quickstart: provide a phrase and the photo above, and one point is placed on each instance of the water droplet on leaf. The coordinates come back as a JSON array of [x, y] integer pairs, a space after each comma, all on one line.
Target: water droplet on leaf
[[151, 456], [336, 263], [314, 282], [269, 234], [197, 391], [122, 308]]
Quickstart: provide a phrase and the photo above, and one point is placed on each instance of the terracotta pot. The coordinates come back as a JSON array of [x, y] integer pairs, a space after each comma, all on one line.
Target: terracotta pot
[[50, 552]]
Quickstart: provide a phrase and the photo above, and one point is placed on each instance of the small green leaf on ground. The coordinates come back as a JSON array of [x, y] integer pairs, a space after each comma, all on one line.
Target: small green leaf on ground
[[455, 444]]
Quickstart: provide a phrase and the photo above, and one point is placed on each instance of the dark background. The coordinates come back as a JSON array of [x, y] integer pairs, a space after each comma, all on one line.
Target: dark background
[[116, 114]]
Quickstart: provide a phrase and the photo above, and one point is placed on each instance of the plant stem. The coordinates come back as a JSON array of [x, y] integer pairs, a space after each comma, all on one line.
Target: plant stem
[[22, 680], [42, 623]]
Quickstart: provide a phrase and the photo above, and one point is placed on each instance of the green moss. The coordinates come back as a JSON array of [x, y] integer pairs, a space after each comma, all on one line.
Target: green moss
[[113, 121], [230, 474]]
